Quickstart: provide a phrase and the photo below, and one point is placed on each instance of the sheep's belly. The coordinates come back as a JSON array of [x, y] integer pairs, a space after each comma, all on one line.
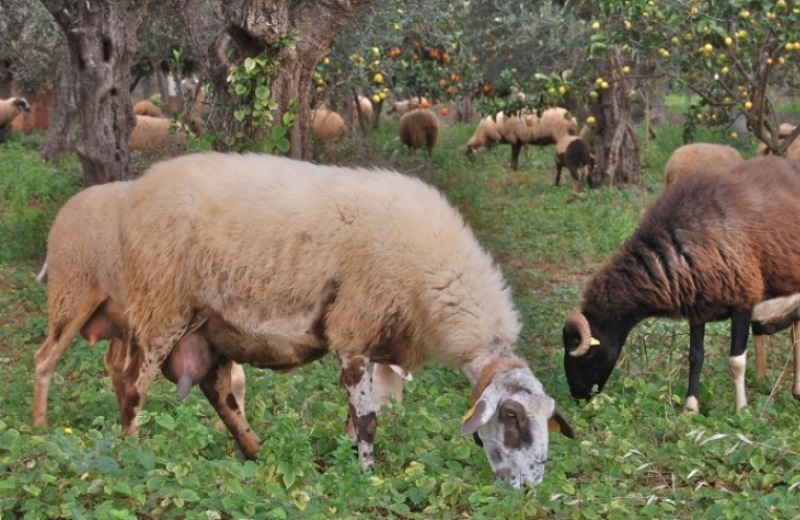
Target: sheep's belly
[[277, 352]]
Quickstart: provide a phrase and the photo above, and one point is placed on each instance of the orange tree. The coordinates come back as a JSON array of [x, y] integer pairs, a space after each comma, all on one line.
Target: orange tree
[[401, 49], [733, 55]]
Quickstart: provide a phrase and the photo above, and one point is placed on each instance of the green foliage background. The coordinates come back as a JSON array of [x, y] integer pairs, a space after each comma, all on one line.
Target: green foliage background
[[637, 454]]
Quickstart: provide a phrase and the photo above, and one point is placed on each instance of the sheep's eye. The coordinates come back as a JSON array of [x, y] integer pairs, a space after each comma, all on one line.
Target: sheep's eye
[[511, 414]]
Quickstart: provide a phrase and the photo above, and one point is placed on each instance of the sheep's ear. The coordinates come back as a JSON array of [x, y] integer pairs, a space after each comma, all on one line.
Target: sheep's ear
[[475, 418], [558, 423], [483, 410]]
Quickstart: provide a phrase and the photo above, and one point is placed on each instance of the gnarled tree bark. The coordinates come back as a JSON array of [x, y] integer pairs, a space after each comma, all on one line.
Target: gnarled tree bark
[[256, 27], [101, 37], [616, 148]]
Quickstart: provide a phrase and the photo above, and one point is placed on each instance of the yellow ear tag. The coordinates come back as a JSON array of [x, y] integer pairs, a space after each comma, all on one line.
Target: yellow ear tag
[[594, 342], [553, 426], [468, 414]]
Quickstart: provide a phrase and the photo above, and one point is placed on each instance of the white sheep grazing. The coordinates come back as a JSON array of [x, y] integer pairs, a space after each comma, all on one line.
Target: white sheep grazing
[[365, 105], [419, 128], [486, 134], [526, 128], [84, 295], [157, 136], [401, 107], [298, 260], [770, 317], [694, 159], [12, 107]]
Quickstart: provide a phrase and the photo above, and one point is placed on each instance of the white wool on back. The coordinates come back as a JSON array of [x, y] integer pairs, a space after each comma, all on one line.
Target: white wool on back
[[264, 241]]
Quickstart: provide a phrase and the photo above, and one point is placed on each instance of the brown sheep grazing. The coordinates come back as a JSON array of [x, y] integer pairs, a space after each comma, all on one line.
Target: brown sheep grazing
[[712, 247], [573, 152], [327, 127], [10, 108], [84, 295], [418, 128], [695, 159], [146, 107], [154, 136]]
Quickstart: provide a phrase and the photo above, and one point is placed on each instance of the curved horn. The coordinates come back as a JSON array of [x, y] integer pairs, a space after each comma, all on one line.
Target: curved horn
[[577, 322]]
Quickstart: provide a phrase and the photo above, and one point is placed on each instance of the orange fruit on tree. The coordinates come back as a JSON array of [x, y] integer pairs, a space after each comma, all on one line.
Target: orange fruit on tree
[[445, 111]]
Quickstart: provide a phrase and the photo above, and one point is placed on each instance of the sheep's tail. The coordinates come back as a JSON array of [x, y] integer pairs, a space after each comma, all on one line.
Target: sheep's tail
[[42, 276], [184, 385]]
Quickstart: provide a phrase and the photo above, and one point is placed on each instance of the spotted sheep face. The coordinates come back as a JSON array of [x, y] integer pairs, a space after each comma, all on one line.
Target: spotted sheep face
[[512, 420]]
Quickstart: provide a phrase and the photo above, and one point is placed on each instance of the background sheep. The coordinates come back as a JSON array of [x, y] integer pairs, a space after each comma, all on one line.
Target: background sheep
[[83, 270], [486, 134], [418, 128], [371, 265], [327, 127], [700, 159], [38, 117], [770, 317], [156, 136], [10, 108], [529, 128], [573, 152], [402, 107], [366, 109], [710, 248], [146, 107]]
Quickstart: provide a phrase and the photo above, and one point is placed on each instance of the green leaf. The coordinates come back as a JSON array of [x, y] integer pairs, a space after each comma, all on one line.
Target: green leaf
[[166, 421], [283, 145], [32, 489], [278, 132], [263, 92], [249, 64], [240, 89]]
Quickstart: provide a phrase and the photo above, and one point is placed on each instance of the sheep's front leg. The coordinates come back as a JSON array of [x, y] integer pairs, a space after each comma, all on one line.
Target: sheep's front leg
[[143, 363], [357, 379], [219, 387]]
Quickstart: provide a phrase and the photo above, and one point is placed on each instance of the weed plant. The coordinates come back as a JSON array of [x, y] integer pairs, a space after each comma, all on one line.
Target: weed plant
[[637, 454]]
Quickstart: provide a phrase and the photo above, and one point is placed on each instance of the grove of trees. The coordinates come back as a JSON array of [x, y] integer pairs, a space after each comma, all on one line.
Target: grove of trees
[[265, 65]]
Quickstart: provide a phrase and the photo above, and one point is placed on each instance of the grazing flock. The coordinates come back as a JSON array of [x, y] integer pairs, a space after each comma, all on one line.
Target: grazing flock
[[378, 269]]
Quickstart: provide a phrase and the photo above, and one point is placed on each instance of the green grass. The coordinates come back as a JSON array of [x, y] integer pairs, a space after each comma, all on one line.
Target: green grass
[[637, 454]]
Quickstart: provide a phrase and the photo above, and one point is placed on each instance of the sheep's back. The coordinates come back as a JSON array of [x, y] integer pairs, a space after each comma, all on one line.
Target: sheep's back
[[261, 238], [715, 242], [700, 159]]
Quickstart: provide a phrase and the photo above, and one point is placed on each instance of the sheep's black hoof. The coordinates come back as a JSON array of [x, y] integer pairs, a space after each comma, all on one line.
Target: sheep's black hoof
[[796, 396]]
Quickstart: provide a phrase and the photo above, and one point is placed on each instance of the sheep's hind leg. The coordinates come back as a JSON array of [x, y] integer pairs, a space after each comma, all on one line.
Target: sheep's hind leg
[[228, 401], [740, 327], [356, 377], [59, 338], [796, 351]]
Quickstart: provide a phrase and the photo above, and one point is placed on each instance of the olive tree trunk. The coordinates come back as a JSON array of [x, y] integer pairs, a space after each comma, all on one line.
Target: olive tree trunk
[[101, 37], [60, 132], [616, 148]]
